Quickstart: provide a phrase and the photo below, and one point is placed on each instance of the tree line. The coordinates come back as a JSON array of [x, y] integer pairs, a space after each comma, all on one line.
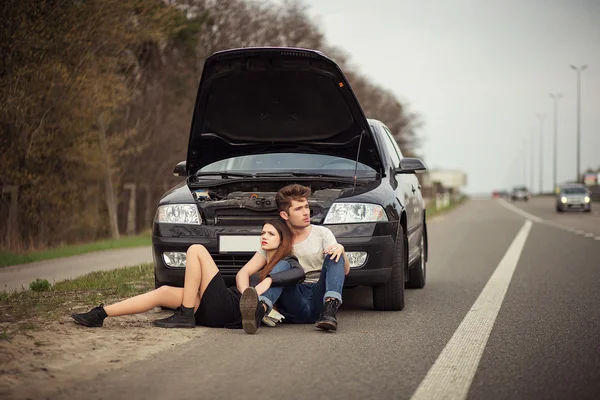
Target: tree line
[[97, 94]]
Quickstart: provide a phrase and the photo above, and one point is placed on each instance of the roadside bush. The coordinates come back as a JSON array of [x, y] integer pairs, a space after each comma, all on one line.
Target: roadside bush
[[40, 285]]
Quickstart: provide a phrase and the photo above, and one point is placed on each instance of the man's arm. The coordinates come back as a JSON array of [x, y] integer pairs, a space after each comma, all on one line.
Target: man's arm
[[335, 250]]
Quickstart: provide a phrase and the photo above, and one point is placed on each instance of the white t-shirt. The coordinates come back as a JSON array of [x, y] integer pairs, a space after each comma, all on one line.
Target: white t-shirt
[[310, 251]]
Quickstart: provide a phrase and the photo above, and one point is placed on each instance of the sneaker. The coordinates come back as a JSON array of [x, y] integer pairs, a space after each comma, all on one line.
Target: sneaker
[[252, 310], [327, 320], [93, 318], [180, 319]]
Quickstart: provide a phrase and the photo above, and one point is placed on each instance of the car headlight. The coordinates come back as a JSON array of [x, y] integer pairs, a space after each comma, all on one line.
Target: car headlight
[[563, 199], [586, 199], [175, 258], [348, 213], [178, 214]]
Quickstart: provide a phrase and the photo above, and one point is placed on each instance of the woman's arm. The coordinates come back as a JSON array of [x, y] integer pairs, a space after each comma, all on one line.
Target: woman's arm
[[242, 279], [263, 286]]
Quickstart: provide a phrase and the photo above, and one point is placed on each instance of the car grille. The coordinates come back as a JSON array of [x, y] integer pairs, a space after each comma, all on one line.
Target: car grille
[[231, 260], [248, 217], [242, 217]]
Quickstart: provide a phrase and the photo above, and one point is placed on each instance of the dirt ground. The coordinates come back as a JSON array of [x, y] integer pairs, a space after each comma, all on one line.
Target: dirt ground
[[35, 363]]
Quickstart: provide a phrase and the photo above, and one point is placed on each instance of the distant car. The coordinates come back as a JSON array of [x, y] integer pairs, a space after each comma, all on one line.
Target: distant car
[[268, 117], [573, 196], [520, 193]]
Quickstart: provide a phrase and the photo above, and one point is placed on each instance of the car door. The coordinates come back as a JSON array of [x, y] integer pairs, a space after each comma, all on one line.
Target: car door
[[413, 204], [402, 189]]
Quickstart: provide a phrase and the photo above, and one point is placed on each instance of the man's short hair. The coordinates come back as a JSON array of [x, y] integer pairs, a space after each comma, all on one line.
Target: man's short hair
[[286, 194]]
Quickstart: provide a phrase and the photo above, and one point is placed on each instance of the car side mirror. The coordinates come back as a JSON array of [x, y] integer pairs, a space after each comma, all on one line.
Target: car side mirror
[[410, 165], [180, 169]]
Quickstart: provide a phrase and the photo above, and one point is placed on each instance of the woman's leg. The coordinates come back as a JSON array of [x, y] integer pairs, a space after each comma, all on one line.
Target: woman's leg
[[200, 269], [166, 296]]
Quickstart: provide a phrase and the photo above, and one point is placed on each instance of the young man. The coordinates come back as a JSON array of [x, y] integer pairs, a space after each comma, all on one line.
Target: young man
[[323, 260]]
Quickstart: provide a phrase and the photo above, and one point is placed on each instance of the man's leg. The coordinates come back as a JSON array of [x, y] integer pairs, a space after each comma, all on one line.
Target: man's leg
[[327, 294], [295, 303]]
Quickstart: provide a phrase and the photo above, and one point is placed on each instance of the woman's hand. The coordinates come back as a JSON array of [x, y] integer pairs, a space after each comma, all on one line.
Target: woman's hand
[[335, 251]]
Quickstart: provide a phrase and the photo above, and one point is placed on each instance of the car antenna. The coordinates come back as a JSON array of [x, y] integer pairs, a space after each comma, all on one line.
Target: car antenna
[[357, 155]]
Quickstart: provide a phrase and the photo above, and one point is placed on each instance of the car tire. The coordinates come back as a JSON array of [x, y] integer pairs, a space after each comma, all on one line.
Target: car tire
[[558, 209], [588, 210], [418, 273], [390, 295]]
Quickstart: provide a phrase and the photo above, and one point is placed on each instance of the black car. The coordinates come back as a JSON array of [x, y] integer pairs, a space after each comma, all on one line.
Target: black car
[[268, 117]]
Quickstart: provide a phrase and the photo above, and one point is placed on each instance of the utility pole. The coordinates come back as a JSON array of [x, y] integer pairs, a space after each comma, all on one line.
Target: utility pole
[[532, 157], [555, 97], [541, 117], [579, 70]]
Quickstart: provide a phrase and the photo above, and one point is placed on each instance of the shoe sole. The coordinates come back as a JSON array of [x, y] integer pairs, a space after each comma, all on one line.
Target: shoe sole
[[248, 305], [326, 325], [169, 325], [83, 322]]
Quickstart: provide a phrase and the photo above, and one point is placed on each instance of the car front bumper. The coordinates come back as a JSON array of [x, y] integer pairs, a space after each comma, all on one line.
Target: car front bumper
[[377, 239]]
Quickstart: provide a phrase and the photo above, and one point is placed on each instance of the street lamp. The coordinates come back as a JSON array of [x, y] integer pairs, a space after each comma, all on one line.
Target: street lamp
[[579, 70], [541, 117], [555, 97]]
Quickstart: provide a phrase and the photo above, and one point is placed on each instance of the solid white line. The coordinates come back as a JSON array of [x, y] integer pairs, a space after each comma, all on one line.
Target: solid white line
[[589, 235], [519, 211], [579, 232], [597, 238], [451, 375]]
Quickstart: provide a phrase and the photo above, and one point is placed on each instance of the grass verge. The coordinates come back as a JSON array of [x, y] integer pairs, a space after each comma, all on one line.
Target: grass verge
[[28, 310], [431, 211], [7, 258]]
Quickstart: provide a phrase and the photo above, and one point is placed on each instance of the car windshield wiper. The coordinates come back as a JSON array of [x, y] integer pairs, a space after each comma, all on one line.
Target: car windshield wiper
[[302, 174], [227, 174]]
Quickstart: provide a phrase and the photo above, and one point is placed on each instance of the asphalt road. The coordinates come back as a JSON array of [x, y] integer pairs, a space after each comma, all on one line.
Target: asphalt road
[[510, 311]]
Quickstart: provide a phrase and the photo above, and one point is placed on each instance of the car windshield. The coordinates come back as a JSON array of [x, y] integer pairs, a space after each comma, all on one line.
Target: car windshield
[[574, 191], [291, 162]]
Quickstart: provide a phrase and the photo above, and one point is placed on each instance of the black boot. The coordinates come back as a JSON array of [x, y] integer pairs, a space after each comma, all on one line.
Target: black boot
[[93, 318], [252, 310], [182, 318], [327, 320]]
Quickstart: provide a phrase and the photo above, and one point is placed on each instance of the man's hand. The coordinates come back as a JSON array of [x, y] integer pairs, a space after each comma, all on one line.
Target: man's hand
[[335, 251]]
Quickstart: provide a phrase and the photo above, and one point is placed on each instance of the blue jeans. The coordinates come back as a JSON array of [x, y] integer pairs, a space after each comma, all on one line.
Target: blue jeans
[[302, 303]]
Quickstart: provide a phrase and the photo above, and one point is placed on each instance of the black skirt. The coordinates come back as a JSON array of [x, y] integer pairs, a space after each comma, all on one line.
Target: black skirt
[[219, 306]]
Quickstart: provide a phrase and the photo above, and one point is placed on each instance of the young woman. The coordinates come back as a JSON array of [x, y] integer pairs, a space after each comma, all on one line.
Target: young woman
[[205, 300]]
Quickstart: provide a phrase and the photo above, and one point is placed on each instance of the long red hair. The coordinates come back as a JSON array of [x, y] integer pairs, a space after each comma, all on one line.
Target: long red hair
[[284, 249]]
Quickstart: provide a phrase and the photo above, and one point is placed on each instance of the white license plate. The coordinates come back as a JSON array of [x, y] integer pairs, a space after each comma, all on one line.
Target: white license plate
[[238, 243]]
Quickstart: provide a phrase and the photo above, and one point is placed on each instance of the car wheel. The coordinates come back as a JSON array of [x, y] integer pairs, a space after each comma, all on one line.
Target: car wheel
[[558, 209], [417, 274], [588, 210], [390, 295]]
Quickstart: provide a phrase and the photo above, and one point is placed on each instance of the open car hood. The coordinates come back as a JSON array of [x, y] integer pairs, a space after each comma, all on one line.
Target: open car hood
[[266, 100]]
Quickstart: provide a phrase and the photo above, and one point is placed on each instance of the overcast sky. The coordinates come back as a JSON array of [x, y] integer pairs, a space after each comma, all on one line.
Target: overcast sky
[[478, 72]]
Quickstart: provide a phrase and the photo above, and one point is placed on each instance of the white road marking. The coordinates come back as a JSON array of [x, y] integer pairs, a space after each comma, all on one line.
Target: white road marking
[[519, 211], [451, 375], [597, 238], [579, 232], [589, 235]]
